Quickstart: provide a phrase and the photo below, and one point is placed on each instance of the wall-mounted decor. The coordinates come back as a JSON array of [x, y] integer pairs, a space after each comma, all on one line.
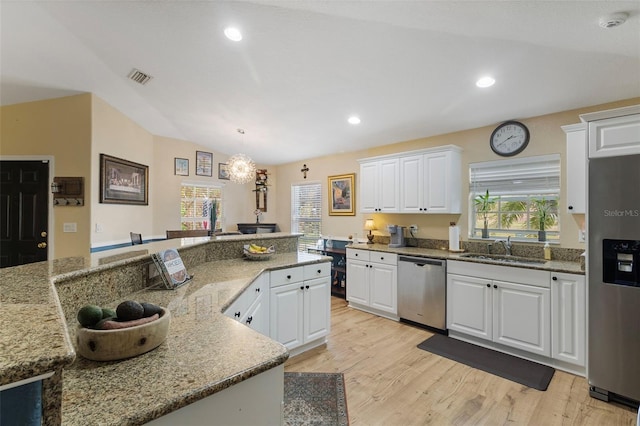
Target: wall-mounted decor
[[123, 181], [68, 191], [223, 171], [181, 167], [204, 163], [342, 196], [262, 184]]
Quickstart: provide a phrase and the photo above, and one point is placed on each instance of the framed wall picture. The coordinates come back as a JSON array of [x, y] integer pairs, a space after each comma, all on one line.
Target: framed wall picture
[[342, 195], [223, 171], [123, 181], [204, 163], [181, 167]]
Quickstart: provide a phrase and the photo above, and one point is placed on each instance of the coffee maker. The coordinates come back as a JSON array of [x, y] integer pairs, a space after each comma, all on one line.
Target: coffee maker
[[397, 235]]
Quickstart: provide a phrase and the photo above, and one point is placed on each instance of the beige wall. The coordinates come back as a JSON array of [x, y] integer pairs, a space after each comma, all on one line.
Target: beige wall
[[547, 137], [59, 128]]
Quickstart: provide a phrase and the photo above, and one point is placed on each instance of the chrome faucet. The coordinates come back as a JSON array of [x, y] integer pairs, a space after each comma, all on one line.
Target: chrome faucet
[[507, 245]]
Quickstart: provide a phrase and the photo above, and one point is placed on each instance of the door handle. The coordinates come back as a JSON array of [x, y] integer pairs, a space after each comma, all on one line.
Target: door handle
[[42, 245]]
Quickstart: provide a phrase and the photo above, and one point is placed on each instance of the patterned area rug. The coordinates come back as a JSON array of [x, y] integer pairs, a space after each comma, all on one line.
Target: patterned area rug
[[315, 399]]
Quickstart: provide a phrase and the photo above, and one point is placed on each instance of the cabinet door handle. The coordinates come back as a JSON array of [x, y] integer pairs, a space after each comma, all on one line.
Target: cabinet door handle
[[301, 287], [258, 290], [237, 314], [319, 271], [488, 285], [307, 287], [554, 278], [249, 320], [495, 286], [570, 207]]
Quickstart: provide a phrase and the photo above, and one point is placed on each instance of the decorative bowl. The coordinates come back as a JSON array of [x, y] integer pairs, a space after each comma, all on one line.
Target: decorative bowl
[[110, 345], [259, 256]]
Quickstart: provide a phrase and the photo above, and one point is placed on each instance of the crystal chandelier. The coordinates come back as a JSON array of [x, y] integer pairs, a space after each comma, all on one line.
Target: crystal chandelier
[[241, 168]]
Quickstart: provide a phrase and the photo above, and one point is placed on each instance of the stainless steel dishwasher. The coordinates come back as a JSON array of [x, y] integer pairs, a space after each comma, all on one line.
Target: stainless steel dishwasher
[[422, 289]]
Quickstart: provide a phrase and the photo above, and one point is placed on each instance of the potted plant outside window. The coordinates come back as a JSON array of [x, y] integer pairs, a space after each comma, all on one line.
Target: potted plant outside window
[[484, 204], [544, 215]]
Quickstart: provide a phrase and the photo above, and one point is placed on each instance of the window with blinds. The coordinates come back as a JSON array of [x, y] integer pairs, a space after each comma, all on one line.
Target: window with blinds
[[306, 213], [523, 197], [196, 203]]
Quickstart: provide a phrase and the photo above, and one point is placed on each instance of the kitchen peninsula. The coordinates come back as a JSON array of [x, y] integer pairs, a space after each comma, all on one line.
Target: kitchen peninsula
[[206, 354]]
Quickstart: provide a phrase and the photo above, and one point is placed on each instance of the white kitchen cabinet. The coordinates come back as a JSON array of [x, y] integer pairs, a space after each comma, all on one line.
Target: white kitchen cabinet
[[379, 186], [372, 282], [421, 181], [509, 306], [576, 162], [252, 306], [568, 318], [613, 132], [430, 182], [300, 311]]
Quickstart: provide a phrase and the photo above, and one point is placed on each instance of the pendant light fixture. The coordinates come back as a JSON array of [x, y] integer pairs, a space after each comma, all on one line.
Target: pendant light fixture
[[241, 168]]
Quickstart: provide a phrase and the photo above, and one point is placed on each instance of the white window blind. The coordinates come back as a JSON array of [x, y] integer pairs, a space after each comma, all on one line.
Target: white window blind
[[540, 175], [306, 213], [195, 206]]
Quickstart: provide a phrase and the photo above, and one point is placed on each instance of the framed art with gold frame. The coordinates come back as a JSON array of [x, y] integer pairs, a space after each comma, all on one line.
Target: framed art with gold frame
[[342, 195]]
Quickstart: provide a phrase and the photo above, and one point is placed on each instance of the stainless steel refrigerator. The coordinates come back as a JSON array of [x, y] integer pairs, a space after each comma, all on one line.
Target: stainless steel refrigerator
[[613, 274]]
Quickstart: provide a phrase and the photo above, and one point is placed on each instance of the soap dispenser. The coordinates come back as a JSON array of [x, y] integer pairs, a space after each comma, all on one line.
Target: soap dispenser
[[547, 251]]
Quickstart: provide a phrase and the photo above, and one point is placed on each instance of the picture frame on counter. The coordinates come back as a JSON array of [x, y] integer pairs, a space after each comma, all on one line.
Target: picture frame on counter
[[123, 181], [204, 163], [181, 167], [342, 195]]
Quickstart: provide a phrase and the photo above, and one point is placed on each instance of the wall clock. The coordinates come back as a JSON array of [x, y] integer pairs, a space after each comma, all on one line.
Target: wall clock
[[509, 139]]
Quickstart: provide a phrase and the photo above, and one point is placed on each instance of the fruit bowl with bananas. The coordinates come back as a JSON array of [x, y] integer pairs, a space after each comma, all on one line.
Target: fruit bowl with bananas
[[256, 252]]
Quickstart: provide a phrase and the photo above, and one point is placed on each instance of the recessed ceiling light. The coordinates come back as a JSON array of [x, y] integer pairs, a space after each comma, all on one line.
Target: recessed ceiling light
[[354, 120], [485, 82], [233, 33]]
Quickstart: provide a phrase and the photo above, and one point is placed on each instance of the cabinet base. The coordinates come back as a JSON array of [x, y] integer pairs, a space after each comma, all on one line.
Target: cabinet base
[[389, 315]]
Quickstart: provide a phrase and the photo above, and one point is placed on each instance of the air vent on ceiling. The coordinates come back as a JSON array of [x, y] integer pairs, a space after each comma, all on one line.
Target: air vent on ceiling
[[139, 77]]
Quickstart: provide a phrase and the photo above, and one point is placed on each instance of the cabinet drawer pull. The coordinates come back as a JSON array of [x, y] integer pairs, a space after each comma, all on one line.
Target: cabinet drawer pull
[[288, 277], [258, 290], [301, 287], [237, 314], [554, 278], [489, 285], [319, 271], [495, 286], [249, 320]]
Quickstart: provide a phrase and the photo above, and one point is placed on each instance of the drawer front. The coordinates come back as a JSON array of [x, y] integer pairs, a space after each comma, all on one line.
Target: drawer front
[[317, 270], [259, 286], [382, 257], [286, 276], [358, 254]]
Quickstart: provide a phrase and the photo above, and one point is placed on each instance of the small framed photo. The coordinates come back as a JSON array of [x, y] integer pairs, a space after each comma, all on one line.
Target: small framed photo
[[223, 171], [204, 163], [181, 167], [342, 195]]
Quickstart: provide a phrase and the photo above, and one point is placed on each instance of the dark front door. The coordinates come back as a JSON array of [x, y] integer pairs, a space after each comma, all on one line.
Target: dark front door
[[24, 200]]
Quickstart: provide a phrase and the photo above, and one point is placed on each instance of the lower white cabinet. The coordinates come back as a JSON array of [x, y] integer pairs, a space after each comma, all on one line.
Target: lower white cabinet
[[372, 281], [301, 310], [252, 306], [568, 318], [505, 311]]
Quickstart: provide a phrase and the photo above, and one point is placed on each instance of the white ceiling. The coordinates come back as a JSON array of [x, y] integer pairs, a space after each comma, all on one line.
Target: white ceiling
[[407, 68]]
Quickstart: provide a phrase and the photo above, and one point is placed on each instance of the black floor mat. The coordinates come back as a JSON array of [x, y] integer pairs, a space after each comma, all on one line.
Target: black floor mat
[[512, 368]]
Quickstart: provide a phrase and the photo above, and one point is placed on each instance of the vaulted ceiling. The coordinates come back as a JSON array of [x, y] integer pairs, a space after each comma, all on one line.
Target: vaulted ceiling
[[406, 68]]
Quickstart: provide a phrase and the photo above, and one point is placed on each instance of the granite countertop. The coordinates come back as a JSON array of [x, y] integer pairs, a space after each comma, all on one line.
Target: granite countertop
[[30, 305], [551, 265], [204, 353]]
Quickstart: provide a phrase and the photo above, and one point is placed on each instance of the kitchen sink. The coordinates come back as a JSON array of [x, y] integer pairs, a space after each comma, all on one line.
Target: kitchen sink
[[505, 259]]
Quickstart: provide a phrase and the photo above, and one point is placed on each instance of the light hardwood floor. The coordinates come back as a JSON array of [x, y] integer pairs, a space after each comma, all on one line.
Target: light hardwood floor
[[389, 381]]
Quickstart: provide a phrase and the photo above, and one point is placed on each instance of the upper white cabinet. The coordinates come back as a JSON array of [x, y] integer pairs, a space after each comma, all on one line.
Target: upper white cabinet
[[614, 132], [379, 186], [422, 181], [576, 167]]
